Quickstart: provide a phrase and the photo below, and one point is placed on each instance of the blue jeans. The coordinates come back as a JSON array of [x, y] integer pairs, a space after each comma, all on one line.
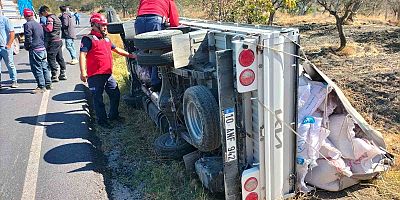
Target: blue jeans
[[69, 43], [8, 57], [97, 85], [39, 67], [144, 24]]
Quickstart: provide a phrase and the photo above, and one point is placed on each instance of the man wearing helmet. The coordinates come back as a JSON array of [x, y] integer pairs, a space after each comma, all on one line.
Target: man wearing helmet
[[151, 16], [95, 62], [34, 43], [53, 44]]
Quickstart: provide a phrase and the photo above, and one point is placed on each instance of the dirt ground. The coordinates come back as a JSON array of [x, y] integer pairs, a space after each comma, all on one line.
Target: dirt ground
[[368, 72]]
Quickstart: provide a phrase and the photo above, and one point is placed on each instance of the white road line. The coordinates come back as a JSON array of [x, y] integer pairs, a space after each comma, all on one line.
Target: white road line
[[32, 169], [81, 30]]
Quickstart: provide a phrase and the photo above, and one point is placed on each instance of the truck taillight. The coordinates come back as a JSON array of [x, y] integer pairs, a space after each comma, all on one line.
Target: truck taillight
[[250, 184], [247, 77], [246, 57], [246, 64], [252, 196]]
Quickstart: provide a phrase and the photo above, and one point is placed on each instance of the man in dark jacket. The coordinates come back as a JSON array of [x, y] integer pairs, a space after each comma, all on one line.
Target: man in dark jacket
[[68, 33], [53, 43], [34, 43]]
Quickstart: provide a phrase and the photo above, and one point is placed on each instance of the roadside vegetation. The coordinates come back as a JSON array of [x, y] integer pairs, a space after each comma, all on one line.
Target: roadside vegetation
[[367, 69]]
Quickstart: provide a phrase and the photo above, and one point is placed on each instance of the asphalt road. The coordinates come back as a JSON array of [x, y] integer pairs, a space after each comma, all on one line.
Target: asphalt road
[[46, 149]]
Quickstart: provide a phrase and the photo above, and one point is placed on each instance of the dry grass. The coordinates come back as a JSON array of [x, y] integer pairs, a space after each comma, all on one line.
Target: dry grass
[[292, 20]]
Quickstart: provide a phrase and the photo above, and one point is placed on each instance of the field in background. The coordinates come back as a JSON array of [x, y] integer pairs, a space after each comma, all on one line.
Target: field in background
[[368, 71]]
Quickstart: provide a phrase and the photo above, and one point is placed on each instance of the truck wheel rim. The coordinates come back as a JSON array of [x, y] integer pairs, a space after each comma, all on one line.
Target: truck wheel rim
[[170, 142], [194, 121]]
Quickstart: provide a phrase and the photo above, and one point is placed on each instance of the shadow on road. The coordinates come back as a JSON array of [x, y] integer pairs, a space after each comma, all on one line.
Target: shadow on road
[[70, 124], [75, 153], [14, 90]]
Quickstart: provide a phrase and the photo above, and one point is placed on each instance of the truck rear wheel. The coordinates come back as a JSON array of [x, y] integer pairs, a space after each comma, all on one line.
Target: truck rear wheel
[[200, 111], [156, 39], [168, 147]]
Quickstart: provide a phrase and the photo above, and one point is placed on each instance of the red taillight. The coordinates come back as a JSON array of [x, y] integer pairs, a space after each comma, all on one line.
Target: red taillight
[[252, 196], [246, 57], [247, 77], [250, 184]]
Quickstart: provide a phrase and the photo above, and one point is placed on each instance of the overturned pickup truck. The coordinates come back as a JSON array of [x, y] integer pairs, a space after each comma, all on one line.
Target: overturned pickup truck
[[265, 126]]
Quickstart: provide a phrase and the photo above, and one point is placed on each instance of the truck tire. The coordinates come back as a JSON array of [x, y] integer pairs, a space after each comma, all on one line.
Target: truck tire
[[156, 39], [167, 147], [16, 46], [115, 28], [155, 59], [200, 111]]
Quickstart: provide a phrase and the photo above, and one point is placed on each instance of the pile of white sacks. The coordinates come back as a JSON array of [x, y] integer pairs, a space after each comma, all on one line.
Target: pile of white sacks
[[332, 153]]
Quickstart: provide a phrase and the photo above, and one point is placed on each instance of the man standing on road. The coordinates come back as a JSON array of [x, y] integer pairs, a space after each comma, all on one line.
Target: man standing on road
[[152, 16], [53, 44], [68, 33], [34, 43], [7, 36], [77, 18], [96, 64]]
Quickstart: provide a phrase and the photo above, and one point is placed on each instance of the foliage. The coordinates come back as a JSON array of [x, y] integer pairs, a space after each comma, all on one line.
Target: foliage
[[245, 11], [126, 7]]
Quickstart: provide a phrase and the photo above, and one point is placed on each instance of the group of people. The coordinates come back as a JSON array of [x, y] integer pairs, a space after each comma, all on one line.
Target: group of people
[[43, 41]]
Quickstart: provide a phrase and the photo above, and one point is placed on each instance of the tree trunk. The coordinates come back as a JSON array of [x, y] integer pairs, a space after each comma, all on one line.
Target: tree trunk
[[123, 12], [339, 26], [271, 17]]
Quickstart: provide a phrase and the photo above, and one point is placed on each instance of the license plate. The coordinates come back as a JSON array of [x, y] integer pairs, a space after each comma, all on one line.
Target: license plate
[[230, 135]]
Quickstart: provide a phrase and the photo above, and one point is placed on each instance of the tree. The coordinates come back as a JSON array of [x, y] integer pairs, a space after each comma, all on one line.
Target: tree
[[247, 11], [395, 5], [277, 4], [121, 5], [341, 10]]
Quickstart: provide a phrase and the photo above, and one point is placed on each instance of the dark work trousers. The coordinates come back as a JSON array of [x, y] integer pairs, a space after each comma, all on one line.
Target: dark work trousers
[[54, 56], [39, 67], [99, 83], [148, 23]]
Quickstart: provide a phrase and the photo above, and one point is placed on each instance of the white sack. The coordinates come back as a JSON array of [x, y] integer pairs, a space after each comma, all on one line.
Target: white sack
[[311, 95], [302, 159], [309, 141], [329, 150], [331, 176], [342, 133], [364, 152]]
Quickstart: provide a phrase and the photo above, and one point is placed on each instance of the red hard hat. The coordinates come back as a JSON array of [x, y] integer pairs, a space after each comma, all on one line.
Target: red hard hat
[[28, 12], [98, 18]]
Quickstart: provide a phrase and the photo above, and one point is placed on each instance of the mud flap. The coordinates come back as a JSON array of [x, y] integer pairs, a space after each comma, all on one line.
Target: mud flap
[[210, 172], [227, 124]]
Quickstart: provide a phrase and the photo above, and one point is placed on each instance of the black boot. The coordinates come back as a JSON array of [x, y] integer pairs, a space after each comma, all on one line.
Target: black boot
[[62, 76]]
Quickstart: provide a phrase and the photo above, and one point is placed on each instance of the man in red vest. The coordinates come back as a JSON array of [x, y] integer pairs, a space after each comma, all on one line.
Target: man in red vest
[[152, 16], [96, 62]]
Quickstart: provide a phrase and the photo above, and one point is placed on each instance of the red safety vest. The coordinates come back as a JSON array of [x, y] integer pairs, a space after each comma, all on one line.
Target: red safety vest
[[99, 58]]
